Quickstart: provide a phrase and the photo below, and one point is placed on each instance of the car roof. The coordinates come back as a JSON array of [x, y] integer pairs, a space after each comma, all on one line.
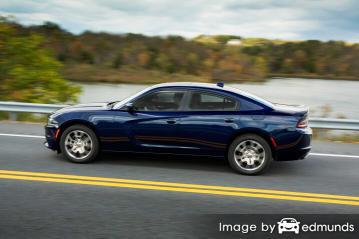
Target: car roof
[[188, 84], [214, 86]]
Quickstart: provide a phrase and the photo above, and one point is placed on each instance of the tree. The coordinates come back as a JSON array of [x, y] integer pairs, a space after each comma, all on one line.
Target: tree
[[28, 72], [143, 59], [164, 63], [192, 63]]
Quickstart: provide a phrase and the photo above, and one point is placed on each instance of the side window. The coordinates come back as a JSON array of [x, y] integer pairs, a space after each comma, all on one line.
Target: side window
[[210, 101], [249, 106], [160, 101]]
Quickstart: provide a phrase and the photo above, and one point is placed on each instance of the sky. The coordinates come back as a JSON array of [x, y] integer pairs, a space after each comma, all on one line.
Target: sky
[[275, 19]]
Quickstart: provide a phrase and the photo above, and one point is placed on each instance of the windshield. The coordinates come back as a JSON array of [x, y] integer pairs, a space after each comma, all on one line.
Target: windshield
[[120, 103]]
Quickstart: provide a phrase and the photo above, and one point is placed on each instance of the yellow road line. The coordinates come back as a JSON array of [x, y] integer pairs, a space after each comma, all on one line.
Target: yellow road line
[[178, 189], [187, 190], [184, 185]]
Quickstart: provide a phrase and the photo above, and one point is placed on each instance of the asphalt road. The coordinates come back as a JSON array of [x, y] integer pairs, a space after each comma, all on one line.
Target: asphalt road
[[50, 206]]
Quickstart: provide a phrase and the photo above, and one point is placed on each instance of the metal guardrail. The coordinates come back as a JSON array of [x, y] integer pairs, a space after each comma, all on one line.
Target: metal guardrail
[[340, 124], [18, 107]]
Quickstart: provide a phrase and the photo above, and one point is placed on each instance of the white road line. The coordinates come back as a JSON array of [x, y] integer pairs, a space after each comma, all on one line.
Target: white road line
[[335, 155], [23, 135], [313, 154]]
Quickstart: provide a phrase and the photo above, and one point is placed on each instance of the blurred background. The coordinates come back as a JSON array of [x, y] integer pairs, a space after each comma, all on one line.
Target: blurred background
[[303, 52]]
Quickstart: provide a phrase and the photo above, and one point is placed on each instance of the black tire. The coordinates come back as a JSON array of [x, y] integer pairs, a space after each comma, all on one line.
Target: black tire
[[92, 154], [240, 167]]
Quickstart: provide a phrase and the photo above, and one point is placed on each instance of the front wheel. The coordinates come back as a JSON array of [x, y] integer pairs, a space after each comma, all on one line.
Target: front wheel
[[249, 154], [79, 144]]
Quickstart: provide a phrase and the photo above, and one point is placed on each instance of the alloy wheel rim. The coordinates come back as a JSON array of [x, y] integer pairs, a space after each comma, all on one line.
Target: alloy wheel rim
[[78, 144], [249, 155]]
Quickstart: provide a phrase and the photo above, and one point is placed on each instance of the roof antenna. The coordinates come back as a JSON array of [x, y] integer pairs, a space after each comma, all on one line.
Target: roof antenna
[[220, 84]]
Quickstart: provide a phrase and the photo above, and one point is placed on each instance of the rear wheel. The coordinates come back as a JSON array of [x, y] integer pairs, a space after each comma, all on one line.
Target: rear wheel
[[79, 144], [249, 154]]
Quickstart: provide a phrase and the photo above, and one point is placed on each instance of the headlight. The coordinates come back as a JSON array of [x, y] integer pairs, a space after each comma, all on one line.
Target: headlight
[[52, 122]]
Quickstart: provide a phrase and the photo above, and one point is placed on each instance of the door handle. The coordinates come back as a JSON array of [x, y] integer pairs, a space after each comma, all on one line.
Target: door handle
[[229, 120], [171, 121]]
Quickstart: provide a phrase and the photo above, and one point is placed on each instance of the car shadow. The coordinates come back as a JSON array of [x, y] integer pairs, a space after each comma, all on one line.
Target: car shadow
[[201, 163], [165, 161]]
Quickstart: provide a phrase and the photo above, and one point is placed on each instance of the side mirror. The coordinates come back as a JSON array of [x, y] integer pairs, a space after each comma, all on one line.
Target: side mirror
[[129, 107]]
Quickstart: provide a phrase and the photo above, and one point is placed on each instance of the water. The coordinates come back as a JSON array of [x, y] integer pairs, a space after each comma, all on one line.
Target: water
[[339, 96]]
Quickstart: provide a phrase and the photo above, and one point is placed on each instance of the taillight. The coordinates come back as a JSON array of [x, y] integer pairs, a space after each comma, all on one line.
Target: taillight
[[302, 123]]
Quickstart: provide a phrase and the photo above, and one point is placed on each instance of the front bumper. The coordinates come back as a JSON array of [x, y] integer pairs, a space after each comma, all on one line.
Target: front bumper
[[298, 149], [50, 136]]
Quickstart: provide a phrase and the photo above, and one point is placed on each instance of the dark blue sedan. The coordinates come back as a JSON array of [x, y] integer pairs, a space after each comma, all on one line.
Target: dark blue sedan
[[185, 119]]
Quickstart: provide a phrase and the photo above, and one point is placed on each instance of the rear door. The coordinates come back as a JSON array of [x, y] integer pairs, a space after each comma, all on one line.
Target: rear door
[[208, 121]]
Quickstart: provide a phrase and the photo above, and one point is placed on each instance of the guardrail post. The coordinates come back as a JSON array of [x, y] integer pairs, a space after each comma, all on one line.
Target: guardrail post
[[12, 116]]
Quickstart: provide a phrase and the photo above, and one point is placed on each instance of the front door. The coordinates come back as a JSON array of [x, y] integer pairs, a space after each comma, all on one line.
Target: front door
[[154, 123]]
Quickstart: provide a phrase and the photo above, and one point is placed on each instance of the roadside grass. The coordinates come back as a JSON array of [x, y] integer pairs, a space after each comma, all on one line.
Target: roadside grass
[[339, 136], [25, 117], [345, 138]]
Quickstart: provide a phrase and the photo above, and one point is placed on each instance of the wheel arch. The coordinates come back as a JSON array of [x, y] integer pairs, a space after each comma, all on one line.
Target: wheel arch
[[70, 123], [265, 135]]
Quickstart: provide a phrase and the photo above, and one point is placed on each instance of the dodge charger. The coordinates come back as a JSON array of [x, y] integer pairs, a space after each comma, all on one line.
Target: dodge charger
[[210, 120]]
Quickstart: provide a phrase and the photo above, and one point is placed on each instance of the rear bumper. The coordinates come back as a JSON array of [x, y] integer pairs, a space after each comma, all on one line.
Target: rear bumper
[[51, 142], [296, 150]]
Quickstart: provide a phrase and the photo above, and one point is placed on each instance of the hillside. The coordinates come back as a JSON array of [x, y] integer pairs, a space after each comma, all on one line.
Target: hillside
[[135, 58]]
